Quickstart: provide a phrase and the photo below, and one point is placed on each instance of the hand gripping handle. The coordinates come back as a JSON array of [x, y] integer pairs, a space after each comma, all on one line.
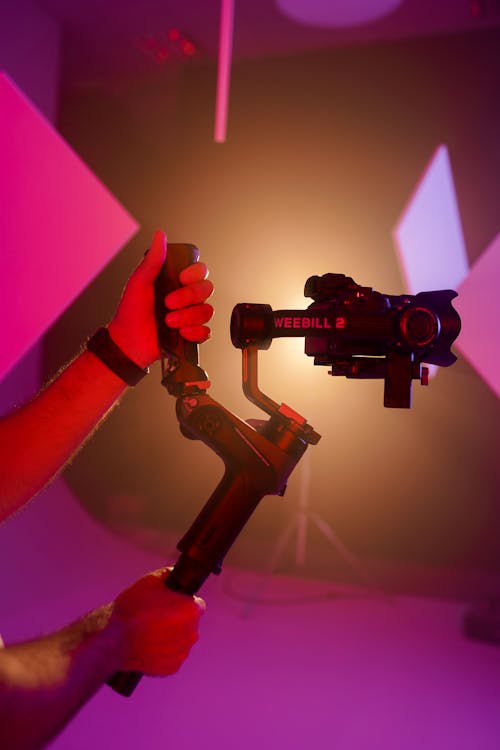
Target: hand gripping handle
[[124, 682], [206, 543], [183, 370]]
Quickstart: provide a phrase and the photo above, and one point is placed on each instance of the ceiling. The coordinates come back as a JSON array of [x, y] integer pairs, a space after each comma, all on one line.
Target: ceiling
[[105, 41]]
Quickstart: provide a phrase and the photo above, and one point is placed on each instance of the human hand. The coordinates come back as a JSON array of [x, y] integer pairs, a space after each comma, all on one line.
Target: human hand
[[133, 327], [158, 626]]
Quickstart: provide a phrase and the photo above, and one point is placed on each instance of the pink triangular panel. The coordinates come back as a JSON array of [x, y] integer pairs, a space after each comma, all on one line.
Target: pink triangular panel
[[478, 303], [59, 225], [429, 236]]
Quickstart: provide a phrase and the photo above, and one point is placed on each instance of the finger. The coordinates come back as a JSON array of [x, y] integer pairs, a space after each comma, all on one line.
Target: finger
[[163, 573], [189, 295], [160, 573], [200, 603], [189, 316], [194, 272], [197, 334], [155, 665], [155, 257], [155, 661]]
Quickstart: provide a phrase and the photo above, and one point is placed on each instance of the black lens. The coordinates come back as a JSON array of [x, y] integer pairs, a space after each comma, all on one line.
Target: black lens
[[419, 326]]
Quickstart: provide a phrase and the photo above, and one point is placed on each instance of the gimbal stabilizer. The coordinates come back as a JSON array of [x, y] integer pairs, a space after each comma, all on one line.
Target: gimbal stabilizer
[[259, 456], [394, 335]]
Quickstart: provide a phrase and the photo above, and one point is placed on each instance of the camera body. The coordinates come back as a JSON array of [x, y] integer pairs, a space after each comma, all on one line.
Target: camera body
[[359, 332]]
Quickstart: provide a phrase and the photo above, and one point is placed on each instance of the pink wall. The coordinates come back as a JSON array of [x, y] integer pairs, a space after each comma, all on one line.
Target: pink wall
[[59, 224], [29, 53]]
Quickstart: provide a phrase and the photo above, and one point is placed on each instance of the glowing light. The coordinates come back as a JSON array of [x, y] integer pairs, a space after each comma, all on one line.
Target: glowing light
[[429, 235], [59, 226], [167, 46], [334, 13], [432, 254], [224, 70], [174, 35], [188, 47]]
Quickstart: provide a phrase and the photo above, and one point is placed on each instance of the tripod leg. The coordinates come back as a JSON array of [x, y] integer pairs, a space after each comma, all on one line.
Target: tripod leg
[[260, 584], [302, 519], [343, 552]]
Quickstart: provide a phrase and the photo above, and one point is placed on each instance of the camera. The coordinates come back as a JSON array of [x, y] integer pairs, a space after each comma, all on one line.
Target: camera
[[359, 332]]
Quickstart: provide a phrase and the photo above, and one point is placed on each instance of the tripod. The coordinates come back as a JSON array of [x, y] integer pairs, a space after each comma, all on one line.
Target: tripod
[[298, 527]]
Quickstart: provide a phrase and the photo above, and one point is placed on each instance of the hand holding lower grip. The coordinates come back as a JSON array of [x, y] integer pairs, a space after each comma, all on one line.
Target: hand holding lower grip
[[125, 682], [182, 369]]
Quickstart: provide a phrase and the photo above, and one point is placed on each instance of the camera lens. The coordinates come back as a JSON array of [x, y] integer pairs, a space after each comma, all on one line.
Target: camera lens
[[419, 326]]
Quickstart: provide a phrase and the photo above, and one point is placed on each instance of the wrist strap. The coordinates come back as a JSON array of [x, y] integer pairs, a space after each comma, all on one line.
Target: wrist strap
[[102, 345]]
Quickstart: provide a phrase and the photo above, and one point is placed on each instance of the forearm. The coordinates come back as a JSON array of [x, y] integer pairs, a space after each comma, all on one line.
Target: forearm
[[43, 683], [38, 440]]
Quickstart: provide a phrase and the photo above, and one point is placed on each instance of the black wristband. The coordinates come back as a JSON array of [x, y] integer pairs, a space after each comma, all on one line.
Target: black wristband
[[102, 345]]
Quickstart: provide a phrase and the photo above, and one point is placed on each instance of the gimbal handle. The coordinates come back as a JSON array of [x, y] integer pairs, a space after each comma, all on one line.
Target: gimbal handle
[[258, 460], [181, 370], [181, 373]]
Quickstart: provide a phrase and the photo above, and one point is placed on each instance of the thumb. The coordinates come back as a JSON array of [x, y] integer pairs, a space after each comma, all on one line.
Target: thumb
[[155, 256]]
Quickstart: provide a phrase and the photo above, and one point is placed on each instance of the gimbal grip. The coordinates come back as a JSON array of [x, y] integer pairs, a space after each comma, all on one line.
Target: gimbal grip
[[183, 373], [179, 256], [185, 356], [206, 543]]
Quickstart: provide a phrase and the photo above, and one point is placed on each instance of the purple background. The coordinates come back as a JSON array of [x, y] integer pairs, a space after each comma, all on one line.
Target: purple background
[[308, 669]]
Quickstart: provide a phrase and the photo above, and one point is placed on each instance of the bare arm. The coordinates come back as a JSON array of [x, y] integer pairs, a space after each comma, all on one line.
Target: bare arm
[[37, 440], [44, 682]]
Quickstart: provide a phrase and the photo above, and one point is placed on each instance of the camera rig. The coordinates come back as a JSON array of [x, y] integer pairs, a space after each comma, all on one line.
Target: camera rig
[[259, 455], [360, 333]]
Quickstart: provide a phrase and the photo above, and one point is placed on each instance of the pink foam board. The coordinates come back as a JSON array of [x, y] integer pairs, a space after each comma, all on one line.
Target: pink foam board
[[478, 304], [428, 235], [59, 225]]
